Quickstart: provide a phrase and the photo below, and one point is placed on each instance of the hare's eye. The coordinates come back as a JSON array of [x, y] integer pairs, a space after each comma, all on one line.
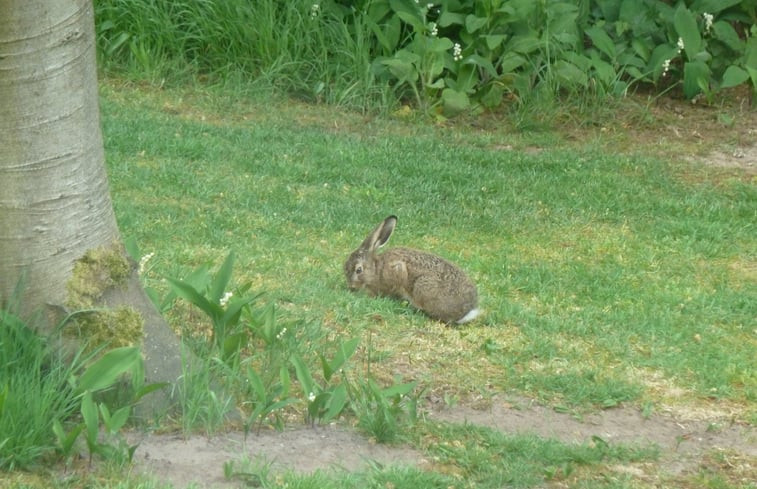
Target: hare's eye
[[359, 269]]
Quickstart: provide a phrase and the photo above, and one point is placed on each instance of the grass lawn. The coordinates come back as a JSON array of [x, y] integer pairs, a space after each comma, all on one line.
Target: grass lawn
[[611, 269], [605, 276]]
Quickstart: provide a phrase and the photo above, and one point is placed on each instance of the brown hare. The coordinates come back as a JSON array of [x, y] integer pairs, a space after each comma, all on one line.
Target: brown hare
[[429, 282]]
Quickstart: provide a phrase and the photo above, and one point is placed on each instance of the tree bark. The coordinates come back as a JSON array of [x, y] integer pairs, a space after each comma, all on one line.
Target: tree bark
[[54, 199]]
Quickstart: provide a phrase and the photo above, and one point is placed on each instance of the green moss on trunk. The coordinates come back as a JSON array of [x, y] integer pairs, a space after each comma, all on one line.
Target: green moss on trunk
[[99, 270]]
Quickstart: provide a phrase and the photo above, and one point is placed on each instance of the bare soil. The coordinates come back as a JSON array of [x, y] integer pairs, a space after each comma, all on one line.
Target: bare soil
[[684, 445]]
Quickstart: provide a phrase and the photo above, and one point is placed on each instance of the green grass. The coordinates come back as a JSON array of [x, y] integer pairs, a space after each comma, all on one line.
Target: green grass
[[605, 277], [34, 392]]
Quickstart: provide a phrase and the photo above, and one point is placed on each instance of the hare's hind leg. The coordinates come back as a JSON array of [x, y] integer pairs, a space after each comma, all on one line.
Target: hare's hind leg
[[437, 302]]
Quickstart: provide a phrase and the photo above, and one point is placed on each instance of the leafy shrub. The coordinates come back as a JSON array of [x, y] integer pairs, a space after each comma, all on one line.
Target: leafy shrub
[[451, 56]]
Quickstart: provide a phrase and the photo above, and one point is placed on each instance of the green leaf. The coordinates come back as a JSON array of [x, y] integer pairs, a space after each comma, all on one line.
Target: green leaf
[[734, 76], [233, 344], [570, 75], [189, 293], [113, 423], [236, 305], [303, 375], [132, 248], [448, 18], [89, 414], [337, 401], [398, 389], [409, 12], [473, 23], [510, 62], [148, 389], [696, 76], [714, 6], [454, 102], [402, 66], [524, 44], [106, 371], [724, 31], [344, 353], [686, 27], [492, 96], [221, 279], [66, 440], [482, 62], [493, 41], [602, 41], [256, 383], [438, 44]]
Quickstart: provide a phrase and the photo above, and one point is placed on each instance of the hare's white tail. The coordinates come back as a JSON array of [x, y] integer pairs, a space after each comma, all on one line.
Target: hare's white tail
[[472, 314]]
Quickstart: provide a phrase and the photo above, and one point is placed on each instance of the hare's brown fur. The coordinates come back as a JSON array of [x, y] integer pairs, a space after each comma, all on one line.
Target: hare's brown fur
[[429, 282]]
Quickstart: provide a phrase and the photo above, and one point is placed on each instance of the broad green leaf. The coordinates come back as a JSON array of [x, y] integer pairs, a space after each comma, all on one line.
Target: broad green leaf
[[66, 440], [641, 48], [524, 44], [448, 18], [256, 383], [132, 248], [89, 415], [303, 375], [569, 74], [714, 6], [114, 422], [344, 353], [724, 31], [473, 23], [686, 27], [233, 344], [492, 96], [604, 71], [398, 389], [510, 62], [106, 371], [235, 306], [149, 389], [189, 293], [336, 403], [221, 279], [409, 12], [659, 55], [454, 102], [482, 62], [439, 44], [696, 75], [601, 41], [402, 66], [734, 76], [493, 41]]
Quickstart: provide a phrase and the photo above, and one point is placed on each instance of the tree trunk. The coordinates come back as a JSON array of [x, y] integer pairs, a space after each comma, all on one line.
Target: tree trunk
[[54, 199]]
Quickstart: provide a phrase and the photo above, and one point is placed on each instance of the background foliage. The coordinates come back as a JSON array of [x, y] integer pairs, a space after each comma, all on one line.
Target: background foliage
[[450, 56]]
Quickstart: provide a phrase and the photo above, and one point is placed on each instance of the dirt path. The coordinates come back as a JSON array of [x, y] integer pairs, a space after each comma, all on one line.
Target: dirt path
[[200, 460]]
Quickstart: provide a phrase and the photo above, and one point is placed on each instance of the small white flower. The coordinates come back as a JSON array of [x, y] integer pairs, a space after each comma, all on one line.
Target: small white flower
[[225, 299], [281, 333], [708, 18], [457, 52], [311, 397], [143, 262], [429, 6], [314, 10], [665, 67], [680, 45], [434, 29]]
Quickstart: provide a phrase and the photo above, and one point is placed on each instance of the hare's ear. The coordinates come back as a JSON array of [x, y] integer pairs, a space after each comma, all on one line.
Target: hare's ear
[[380, 235]]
